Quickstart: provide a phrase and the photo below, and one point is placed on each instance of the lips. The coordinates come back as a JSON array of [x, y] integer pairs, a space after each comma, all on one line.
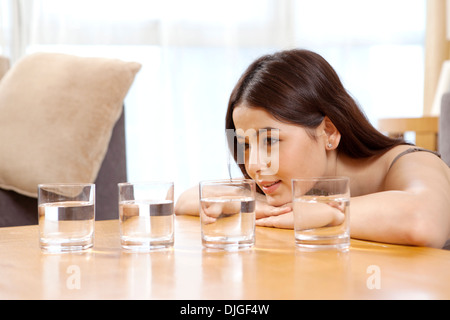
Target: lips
[[269, 186]]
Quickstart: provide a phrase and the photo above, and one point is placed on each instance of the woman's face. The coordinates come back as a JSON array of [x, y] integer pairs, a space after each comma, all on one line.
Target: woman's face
[[276, 152]]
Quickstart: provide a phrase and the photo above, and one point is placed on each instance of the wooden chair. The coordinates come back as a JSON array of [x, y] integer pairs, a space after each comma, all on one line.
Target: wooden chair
[[425, 128], [432, 133]]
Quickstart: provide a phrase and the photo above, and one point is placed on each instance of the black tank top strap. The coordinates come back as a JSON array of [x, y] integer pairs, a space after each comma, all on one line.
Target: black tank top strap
[[411, 150]]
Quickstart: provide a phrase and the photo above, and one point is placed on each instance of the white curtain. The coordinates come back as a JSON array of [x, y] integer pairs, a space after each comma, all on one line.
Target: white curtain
[[13, 35], [194, 51]]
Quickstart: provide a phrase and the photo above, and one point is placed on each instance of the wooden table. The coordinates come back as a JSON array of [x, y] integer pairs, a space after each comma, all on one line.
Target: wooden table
[[272, 269]]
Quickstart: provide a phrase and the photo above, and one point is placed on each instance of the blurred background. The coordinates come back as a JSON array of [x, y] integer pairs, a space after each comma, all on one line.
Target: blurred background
[[193, 52]]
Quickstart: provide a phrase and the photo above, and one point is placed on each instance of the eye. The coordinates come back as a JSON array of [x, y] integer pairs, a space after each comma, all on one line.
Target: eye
[[243, 146], [270, 141]]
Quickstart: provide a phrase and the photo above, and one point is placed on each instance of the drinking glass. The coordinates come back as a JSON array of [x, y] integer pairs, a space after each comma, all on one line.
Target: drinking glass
[[146, 215], [227, 213], [66, 216], [321, 212]]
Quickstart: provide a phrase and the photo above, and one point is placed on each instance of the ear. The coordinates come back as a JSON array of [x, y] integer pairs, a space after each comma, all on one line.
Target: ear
[[332, 136]]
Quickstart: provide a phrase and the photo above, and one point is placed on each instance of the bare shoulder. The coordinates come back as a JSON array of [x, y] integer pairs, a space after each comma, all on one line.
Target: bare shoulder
[[415, 169]]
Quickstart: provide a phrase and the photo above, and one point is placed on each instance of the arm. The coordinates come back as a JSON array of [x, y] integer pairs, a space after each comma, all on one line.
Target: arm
[[188, 203], [412, 208]]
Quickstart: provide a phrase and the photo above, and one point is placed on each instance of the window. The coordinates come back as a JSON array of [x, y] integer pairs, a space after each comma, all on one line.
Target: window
[[193, 52]]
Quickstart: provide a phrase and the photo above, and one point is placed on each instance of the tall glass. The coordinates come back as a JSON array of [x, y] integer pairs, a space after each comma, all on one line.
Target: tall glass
[[66, 216], [322, 212], [227, 213], [146, 215]]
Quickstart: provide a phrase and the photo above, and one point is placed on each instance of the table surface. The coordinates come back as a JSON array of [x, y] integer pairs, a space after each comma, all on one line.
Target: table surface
[[273, 269]]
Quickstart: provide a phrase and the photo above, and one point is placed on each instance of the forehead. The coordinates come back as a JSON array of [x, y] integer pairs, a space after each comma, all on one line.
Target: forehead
[[245, 117], [253, 118]]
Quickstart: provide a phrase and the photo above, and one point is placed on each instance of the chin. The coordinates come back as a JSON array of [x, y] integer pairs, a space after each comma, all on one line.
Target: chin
[[276, 201]]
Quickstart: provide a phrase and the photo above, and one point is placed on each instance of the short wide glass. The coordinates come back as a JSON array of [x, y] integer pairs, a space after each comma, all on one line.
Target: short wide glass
[[146, 215], [66, 216], [321, 212], [227, 213]]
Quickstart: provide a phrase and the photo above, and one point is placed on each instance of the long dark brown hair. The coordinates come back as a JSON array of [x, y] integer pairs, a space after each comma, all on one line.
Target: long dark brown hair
[[300, 87]]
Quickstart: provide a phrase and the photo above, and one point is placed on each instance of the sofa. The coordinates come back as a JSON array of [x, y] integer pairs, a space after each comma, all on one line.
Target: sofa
[[444, 129], [18, 210], [67, 126]]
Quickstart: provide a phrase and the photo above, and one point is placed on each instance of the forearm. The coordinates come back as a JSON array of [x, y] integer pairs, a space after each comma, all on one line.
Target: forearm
[[188, 202], [399, 217]]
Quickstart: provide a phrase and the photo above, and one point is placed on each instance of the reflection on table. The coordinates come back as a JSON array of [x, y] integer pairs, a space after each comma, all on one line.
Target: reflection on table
[[273, 269]]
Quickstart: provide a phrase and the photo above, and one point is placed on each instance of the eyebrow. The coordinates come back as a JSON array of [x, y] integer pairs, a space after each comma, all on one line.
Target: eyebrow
[[269, 128], [259, 130]]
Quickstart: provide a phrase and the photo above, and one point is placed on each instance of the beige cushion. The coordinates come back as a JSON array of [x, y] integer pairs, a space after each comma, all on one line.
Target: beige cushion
[[57, 113]]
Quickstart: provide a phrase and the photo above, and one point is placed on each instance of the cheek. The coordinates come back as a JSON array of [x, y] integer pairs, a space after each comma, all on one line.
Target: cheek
[[302, 161]]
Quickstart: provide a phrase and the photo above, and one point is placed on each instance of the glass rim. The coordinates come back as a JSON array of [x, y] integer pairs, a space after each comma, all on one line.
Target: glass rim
[[231, 181], [145, 183], [66, 184], [324, 178]]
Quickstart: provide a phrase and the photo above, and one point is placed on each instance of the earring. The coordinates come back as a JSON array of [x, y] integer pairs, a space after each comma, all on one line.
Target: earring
[[329, 145]]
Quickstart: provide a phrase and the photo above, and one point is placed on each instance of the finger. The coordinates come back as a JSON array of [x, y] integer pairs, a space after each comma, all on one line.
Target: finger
[[265, 210], [338, 215], [337, 205], [206, 219], [284, 221], [317, 215], [338, 218], [213, 210]]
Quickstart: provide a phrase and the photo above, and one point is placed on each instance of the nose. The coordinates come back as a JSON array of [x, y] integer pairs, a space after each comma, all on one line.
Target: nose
[[261, 161], [255, 165]]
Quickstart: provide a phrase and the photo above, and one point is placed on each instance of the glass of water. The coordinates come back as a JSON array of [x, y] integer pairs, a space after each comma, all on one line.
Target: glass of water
[[146, 215], [322, 212], [227, 213], [66, 216]]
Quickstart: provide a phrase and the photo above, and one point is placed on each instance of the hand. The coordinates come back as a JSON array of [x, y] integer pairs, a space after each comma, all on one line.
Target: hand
[[316, 215], [264, 210], [270, 216], [285, 221], [212, 211]]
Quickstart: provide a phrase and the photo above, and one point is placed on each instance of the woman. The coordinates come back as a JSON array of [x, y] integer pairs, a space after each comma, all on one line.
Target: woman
[[297, 106]]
